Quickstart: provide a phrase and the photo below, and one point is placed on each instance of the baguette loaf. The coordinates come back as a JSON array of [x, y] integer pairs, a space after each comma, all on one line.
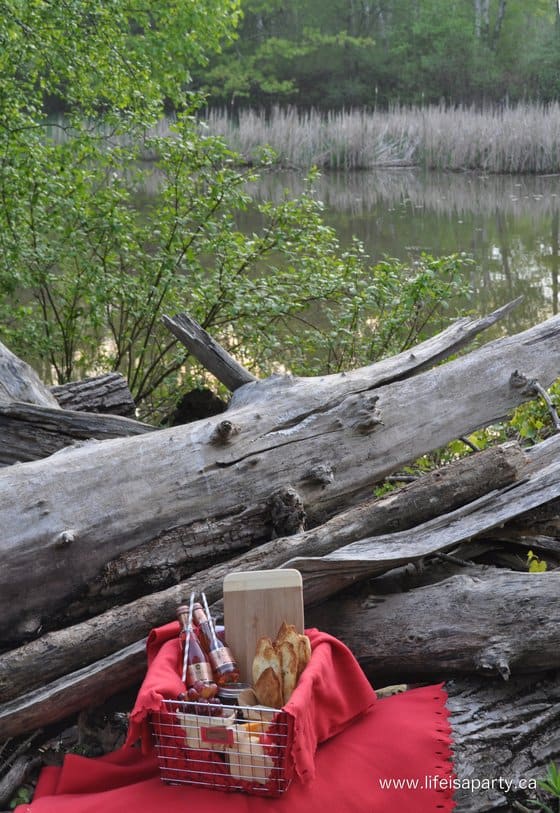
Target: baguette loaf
[[277, 666]]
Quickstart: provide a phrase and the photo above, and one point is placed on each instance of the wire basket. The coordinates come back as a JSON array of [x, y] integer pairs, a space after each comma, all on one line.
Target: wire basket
[[246, 749]]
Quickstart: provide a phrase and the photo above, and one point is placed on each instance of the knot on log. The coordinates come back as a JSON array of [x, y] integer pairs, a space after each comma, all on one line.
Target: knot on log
[[368, 417], [322, 474], [494, 659], [528, 386], [286, 512], [517, 380], [66, 538], [224, 432]]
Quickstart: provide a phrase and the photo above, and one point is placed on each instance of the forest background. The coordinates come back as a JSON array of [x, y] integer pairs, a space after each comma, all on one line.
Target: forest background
[[333, 54]]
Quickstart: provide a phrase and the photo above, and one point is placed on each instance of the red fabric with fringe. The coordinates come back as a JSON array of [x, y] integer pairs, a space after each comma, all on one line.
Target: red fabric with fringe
[[350, 751]]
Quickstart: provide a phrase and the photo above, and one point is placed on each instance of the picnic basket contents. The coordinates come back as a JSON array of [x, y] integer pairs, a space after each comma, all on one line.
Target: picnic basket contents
[[222, 733]]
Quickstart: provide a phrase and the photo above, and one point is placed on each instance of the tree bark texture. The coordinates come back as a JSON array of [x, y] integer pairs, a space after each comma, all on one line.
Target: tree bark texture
[[19, 382], [107, 393], [212, 480], [86, 687], [489, 621], [367, 557], [154, 563], [508, 730], [29, 432]]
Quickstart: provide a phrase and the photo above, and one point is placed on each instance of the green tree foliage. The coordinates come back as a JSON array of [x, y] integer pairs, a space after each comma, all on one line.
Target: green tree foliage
[[335, 54], [313, 53], [105, 56]]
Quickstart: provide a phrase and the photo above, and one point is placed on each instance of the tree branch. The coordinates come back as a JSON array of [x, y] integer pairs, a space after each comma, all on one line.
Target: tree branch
[[208, 352]]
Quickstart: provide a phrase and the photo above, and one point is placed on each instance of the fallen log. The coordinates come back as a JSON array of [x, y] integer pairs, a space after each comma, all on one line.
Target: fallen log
[[29, 432], [360, 560], [74, 646], [35, 424], [213, 480], [71, 693], [107, 393], [437, 493], [60, 650], [19, 382], [488, 621]]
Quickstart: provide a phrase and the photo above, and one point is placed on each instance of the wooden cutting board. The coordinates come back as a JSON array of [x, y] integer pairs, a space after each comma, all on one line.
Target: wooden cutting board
[[255, 604]]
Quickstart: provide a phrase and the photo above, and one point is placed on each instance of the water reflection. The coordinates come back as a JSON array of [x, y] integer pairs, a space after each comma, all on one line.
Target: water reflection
[[509, 225], [447, 193]]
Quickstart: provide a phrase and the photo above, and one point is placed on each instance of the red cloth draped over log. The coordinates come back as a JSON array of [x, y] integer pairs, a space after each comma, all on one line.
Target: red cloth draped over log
[[350, 752]]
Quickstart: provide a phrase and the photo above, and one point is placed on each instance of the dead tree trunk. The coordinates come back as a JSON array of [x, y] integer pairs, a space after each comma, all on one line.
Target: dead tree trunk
[[487, 621], [155, 563], [19, 382], [33, 425], [315, 445], [29, 704], [29, 432], [367, 557], [423, 634], [108, 394], [211, 482]]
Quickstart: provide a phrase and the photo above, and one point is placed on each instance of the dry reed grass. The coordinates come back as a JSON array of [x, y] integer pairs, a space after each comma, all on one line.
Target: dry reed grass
[[520, 139]]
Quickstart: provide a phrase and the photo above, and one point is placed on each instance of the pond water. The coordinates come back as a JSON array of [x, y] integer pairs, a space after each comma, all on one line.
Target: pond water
[[509, 225]]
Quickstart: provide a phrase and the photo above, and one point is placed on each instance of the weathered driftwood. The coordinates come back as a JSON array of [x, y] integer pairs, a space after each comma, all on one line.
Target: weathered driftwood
[[503, 730], [437, 493], [487, 620], [534, 593], [359, 560], [83, 688], [210, 354], [70, 648], [29, 432], [214, 479], [107, 393], [13, 779], [19, 382], [32, 423]]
